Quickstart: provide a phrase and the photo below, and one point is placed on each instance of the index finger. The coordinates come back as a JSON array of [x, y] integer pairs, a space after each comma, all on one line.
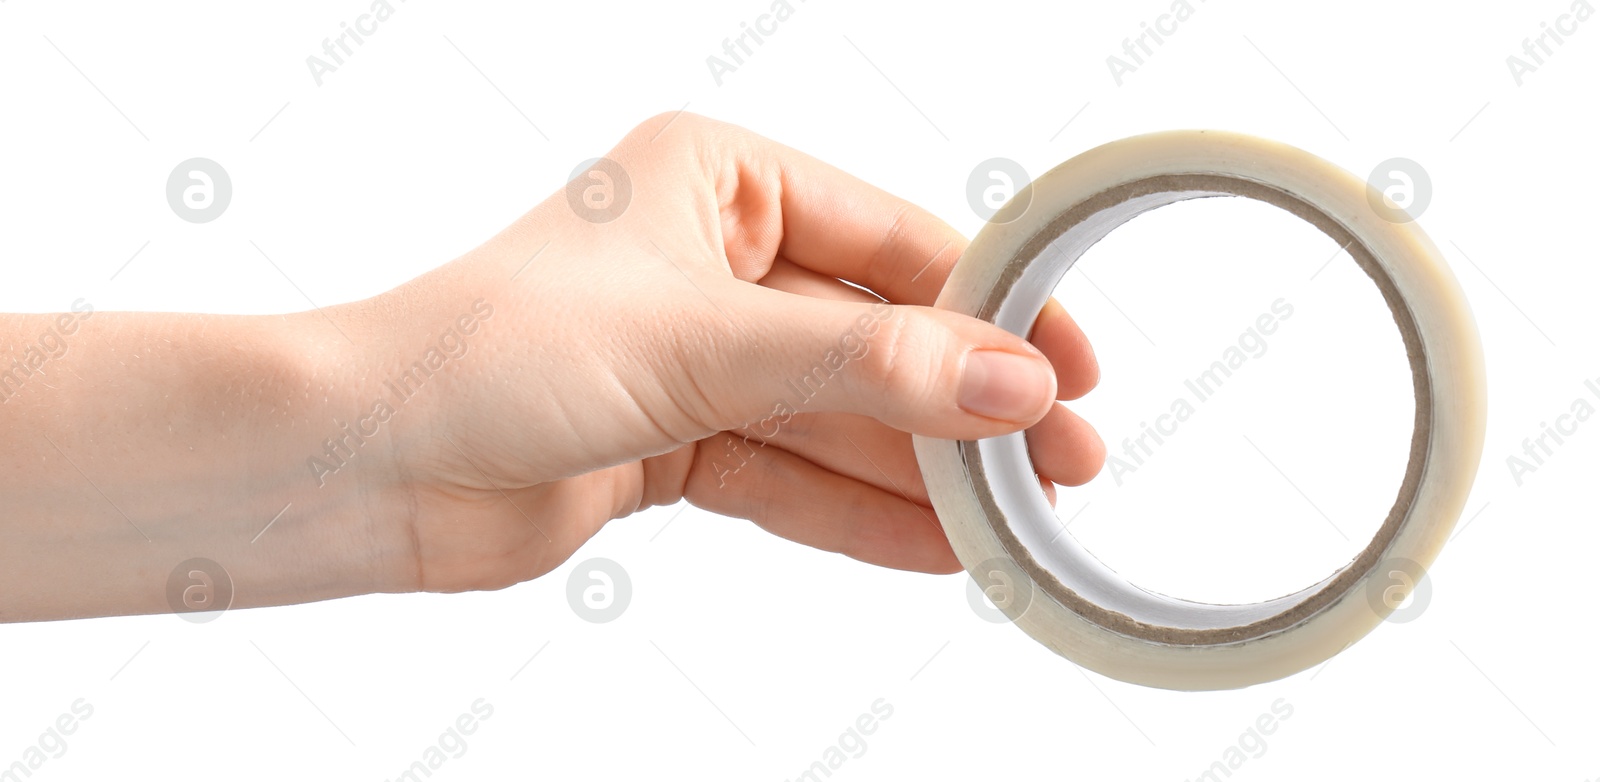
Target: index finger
[[779, 205], [839, 226], [777, 202]]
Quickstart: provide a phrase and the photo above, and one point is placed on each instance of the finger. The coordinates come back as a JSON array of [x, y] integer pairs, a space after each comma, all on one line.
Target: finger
[[1065, 449], [777, 201], [843, 227], [854, 446], [771, 354], [1058, 336], [786, 275], [1055, 333], [795, 499]]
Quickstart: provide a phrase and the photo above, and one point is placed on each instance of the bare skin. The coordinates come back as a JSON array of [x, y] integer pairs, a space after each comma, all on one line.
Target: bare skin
[[630, 363]]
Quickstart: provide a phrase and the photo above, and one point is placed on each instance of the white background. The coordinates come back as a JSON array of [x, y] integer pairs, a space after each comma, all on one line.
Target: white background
[[743, 656]]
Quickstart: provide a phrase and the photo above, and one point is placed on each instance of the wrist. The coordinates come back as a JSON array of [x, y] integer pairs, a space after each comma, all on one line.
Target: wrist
[[387, 459], [346, 486]]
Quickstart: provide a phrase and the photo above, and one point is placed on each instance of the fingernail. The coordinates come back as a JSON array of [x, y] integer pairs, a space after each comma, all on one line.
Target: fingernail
[[1003, 385]]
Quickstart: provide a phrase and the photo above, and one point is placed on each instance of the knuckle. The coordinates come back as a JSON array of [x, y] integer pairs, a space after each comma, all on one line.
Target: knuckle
[[679, 374], [906, 362], [659, 125], [889, 260]]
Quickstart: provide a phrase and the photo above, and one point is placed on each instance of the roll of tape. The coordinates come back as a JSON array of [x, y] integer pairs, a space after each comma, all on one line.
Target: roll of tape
[[1003, 528]]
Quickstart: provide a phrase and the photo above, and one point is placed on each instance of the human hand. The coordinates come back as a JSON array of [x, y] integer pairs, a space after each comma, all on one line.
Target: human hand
[[706, 344]]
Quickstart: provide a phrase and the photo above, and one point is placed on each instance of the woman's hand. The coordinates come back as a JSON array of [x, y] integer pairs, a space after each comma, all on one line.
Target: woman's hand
[[695, 330], [695, 336]]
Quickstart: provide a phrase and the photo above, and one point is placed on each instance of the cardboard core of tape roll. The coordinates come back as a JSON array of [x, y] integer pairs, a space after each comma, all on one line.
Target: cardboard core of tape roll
[[1184, 187]]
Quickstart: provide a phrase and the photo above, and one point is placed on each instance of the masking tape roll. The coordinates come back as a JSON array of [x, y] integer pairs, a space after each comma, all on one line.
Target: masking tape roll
[[1003, 528]]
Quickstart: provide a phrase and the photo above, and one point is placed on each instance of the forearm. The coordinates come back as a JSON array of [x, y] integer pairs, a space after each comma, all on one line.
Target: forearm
[[131, 442]]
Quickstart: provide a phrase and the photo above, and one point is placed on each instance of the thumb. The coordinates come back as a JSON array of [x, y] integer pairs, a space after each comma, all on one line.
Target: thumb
[[917, 369]]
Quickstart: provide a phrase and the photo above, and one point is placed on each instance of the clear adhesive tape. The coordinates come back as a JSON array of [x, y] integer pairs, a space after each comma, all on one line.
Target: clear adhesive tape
[[1003, 528]]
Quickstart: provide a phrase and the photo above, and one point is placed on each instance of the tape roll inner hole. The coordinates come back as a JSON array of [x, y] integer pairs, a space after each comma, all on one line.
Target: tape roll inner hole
[[1028, 527]]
